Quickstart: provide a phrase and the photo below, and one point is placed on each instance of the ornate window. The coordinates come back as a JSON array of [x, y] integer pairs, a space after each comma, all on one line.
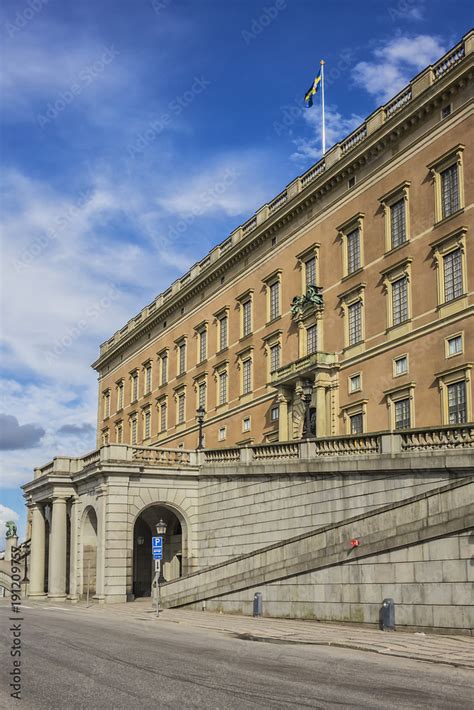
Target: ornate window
[[106, 401], [202, 395], [308, 265], [247, 376], [163, 414], [223, 331], [457, 405], [453, 286], [181, 406], [119, 432], [133, 428], [354, 313], [272, 286], [355, 383], [354, 417], [311, 339], [351, 234], [223, 386], [353, 251], [450, 259], [275, 357], [201, 332], [134, 382], [454, 345], [221, 376], [272, 346], [352, 302], [148, 378], [455, 391], [396, 208], [400, 404], [163, 357], [447, 174], [147, 423], [396, 280], [120, 395], [310, 271], [400, 365], [245, 306], [181, 345], [356, 423]]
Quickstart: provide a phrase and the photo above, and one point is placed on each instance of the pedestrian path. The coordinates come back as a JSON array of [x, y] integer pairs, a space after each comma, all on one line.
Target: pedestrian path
[[451, 650]]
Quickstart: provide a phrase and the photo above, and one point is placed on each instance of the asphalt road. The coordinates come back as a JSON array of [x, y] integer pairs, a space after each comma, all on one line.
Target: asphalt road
[[76, 659]]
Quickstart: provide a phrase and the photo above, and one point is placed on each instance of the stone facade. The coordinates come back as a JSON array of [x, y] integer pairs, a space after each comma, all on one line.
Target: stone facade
[[377, 230]]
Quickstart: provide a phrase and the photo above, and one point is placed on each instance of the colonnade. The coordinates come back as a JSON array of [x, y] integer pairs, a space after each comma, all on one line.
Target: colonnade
[[61, 573]]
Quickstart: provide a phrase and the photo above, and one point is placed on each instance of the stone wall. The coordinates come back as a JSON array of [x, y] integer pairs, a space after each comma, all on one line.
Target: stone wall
[[418, 551], [431, 583], [239, 514]]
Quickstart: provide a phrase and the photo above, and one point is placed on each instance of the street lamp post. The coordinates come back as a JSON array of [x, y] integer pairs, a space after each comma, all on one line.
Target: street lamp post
[[200, 420], [306, 396], [160, 532]]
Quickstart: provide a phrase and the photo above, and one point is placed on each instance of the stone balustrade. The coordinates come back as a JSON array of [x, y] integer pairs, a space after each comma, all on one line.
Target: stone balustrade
[[308, 362], [449, 61], [394, 443], [398, 102], [454, 437], [213, 456], [160, 457], [354, 139]]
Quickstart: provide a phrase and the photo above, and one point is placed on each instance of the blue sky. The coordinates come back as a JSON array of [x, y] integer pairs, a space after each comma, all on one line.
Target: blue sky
[[136, 134]]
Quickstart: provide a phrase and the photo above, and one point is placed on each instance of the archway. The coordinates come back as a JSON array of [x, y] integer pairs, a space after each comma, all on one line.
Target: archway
[[89, 553], [143, 564]]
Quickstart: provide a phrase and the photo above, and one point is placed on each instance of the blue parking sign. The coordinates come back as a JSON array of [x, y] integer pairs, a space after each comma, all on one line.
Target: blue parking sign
[[157, 547]]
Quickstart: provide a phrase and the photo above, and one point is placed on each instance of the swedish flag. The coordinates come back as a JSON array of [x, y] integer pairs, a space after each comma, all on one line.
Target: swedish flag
[[308, 97]]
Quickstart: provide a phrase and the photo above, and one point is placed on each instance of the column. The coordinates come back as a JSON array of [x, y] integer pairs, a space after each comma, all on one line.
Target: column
[[37, 556], [100, 569], [57, 550], [321, 416], [283, 429], [73, 552]]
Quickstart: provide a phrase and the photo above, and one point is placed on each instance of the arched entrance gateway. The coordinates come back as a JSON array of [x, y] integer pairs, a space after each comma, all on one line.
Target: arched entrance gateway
[[143, 564]]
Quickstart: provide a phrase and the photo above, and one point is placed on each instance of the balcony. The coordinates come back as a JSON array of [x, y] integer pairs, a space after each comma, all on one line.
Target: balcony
[[304, 366]]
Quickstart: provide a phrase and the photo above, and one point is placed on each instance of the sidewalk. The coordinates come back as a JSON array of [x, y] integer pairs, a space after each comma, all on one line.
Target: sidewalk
[[451, 650]]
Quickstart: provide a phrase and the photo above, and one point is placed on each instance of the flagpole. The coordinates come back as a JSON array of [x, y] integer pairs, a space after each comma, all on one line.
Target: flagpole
[[322, 62]]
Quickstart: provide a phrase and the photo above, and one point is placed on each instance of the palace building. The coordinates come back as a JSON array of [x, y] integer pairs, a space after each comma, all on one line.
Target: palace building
[[358, 277], [328, 345]]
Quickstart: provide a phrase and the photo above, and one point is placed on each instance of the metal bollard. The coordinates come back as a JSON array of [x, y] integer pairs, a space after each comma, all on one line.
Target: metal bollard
[[257, 604], [387, 621]]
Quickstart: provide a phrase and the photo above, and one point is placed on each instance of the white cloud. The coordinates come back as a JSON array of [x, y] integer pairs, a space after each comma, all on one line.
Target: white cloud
[[394, 64], [337, 127], [36, 73], [232, 185]]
